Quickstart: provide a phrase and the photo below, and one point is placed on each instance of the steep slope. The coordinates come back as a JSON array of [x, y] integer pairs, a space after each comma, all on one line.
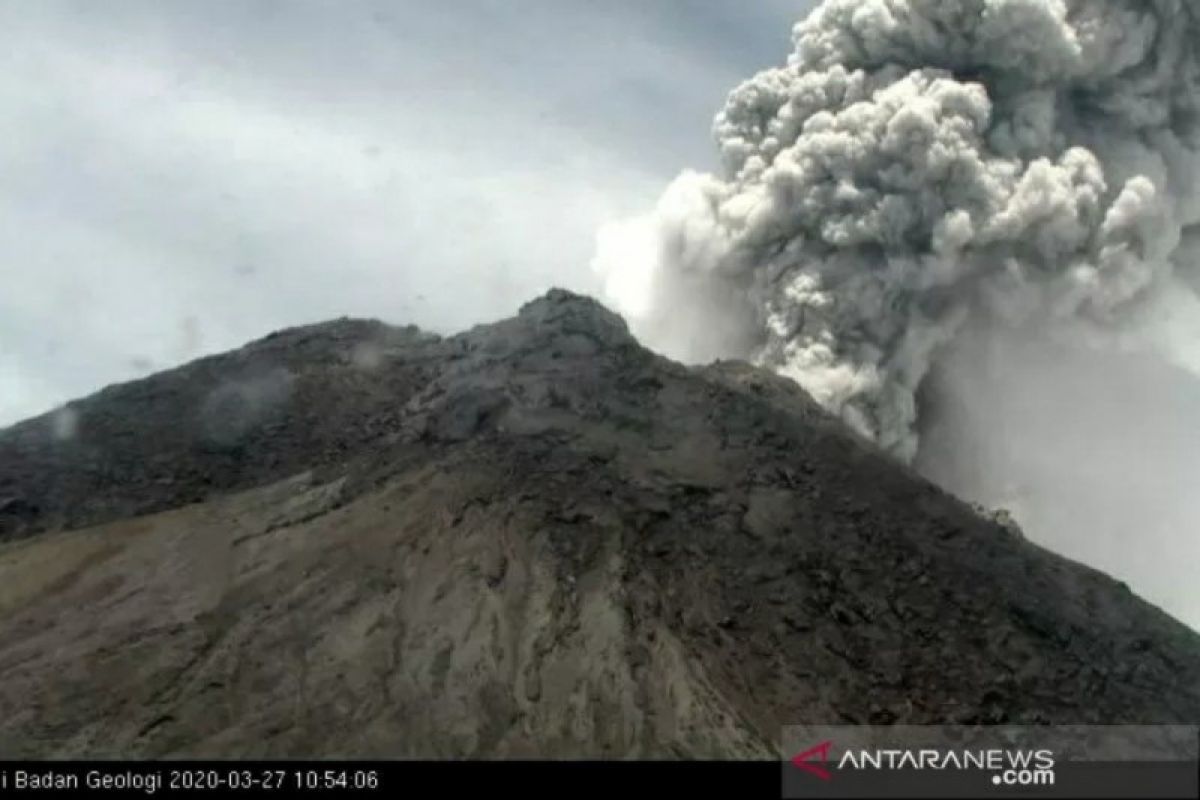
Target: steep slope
[[532, 539]]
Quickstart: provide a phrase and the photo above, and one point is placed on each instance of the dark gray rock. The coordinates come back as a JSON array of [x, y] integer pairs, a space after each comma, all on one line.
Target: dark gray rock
[[532, 539]]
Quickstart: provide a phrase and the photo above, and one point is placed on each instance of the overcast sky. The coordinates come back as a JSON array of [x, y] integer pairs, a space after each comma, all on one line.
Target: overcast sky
[[178, 177]]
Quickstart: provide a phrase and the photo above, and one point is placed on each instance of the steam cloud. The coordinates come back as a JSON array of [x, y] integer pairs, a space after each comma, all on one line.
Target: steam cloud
[[926, 175]]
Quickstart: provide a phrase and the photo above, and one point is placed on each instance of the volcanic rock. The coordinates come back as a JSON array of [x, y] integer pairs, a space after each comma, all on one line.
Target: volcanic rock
[[532, 539]]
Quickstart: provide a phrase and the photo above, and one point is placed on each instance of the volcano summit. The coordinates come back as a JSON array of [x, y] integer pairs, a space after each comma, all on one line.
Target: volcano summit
[[535, 538]]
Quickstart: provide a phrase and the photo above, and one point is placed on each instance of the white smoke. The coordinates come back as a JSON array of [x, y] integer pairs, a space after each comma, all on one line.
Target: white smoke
[[922, 171], [64, 424]]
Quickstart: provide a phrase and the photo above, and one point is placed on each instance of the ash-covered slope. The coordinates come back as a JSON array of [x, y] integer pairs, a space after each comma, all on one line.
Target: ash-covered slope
[[532, 539], [298, 399]]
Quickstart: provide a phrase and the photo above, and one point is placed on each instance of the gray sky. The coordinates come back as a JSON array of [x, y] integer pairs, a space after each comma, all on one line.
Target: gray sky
[[179, 177]]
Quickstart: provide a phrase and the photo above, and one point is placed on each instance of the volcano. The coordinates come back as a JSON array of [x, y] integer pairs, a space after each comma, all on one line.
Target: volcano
[[532, 539]]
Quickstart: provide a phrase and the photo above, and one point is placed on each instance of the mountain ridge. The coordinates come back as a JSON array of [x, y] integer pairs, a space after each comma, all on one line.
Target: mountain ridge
[[535, 538]]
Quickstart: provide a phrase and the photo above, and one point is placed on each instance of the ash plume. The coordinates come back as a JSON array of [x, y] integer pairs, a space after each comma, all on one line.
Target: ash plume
[[924, 179], [917, 164]]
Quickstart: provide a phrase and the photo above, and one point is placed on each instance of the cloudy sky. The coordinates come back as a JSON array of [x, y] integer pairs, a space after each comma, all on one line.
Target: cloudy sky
[[177, 177]]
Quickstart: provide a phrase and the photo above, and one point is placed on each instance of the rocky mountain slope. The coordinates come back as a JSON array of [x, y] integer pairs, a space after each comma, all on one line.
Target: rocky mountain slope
[[532, 539]]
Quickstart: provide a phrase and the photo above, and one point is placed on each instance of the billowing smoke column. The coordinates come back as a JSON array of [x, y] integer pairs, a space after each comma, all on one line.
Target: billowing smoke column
[[922, 166]]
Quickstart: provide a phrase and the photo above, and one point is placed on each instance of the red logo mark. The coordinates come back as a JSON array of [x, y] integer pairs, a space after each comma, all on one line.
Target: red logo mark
[[821, 753]]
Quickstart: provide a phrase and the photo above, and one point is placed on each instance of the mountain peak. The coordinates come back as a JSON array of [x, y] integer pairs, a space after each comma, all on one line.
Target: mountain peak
[[534, 538], [571, 313]]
